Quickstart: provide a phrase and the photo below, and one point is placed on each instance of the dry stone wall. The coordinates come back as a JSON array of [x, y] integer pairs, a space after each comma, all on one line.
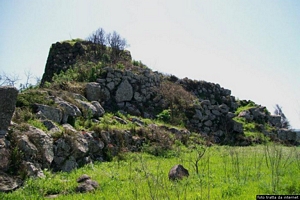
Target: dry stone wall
[[63, 55], [131, 92]]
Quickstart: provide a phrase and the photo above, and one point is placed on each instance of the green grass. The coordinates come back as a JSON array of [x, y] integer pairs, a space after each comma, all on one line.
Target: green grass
[[224, 173]]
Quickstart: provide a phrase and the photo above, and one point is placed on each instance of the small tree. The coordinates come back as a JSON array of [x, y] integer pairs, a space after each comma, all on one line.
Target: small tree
[[117, 44], [284, 121], [10, 80], [99, 38]]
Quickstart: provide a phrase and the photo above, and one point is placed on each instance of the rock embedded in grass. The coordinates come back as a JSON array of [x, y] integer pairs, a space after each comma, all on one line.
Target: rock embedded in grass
[[178, 172], [86, 184]]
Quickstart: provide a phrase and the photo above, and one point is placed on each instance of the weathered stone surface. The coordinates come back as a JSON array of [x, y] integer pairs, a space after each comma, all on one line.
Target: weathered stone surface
[[93, 91], [44, 145], [86, 184], [69, 110], [178, 172], [83, 178], [237, 127], [32, 169], [258, 113], [88, 108], [9, 183], [8, 99], [198, 115], [230, 115], [246, 114], [100, 110], [216, 112], [208, 123], [124, 92], [62, 56], [26, 146], [224, 108], [51, 126], [4, 155], [48, 112], [275, 120]]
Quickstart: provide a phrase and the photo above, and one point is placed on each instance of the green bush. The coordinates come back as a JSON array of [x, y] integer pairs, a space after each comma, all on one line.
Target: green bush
[[164, 116], [37, 124], [30, 97]]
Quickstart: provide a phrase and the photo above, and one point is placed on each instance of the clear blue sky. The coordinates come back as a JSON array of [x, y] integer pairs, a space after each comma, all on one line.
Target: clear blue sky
[[251, 47]]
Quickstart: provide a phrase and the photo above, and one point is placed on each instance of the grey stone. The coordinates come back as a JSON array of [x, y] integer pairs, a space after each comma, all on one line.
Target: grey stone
[[83, 178], [230, 115], [4, 155], [89, 110], [93, 91], [33, 169], [138, 97], [124, 92], [287, 135], [246, 114], [69, 129], [51, 126], [237, 127], [224, 108], [9, 183], [198, 115], [69, 110], [208, 123], [69, 164], [27, 147], [8, 99], [178, 172], [79, 96], [216, 112], [49, 112], [110, 86], [275, 120], [219, 133], [87, 186], [44, 145], [100, 110]]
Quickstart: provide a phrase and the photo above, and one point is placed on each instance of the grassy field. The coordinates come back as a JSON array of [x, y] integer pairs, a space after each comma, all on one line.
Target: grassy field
[[223, 173]]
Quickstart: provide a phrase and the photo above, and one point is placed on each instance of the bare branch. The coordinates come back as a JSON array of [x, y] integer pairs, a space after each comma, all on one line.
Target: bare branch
[[8, 79]]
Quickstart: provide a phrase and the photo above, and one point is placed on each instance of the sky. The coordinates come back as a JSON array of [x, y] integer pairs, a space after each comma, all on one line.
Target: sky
[[251, 47]]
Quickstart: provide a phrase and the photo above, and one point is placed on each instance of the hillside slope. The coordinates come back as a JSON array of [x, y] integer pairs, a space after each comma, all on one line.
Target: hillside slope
[[92, 106]]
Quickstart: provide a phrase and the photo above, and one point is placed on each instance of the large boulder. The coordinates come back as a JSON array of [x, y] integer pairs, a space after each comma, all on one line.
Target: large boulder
[[48, 112], [124, 92], [70, 111], [44, 145], [91, 109], [8, 99], [37, 147], [178, 172], [93, 91]]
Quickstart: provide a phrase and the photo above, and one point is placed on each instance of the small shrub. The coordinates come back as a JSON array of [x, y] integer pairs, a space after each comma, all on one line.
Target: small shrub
[[30, 97], [120, 66], [37, 124], [164, 116]]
